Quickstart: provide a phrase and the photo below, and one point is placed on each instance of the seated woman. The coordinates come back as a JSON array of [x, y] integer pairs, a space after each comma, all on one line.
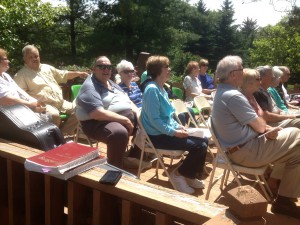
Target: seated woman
[[183, 117], [165, 132], [191, 83], [12, 94], [207, 82], [127, 73], [289, 109], [251, 84], [106, 113]]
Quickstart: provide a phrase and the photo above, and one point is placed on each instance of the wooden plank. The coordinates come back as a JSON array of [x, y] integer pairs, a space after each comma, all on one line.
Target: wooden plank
[[16, 193], [163, 219], [186, 207], [3, 192], [126, 212], [55, 194], [16, 152], [79, 204], [35, 198], [97, 213]]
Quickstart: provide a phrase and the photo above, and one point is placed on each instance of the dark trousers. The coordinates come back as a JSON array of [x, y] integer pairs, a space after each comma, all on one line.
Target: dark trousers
[[113, 134], [197, 148]]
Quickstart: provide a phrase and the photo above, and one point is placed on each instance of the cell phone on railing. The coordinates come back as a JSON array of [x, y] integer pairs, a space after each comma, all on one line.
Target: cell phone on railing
[[111, 177]]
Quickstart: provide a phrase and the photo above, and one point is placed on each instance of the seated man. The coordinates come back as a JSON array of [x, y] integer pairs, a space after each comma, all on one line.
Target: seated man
[[11, 93], [41, 81], [272, 114], [106, 113], [238, 126]]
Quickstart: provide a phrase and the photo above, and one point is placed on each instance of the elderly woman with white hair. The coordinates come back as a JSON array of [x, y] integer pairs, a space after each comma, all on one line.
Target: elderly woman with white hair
[[276, 96], [272, 90], [127, 73]]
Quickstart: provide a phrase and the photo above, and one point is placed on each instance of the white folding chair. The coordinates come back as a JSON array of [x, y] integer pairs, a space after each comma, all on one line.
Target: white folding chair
[[180, 107], [143, 141], [80, 134], [222, 161], [212, 94], [202, 105]]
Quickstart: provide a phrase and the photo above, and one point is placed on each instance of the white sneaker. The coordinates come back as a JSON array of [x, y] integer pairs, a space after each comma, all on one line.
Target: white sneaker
[[181, 184], [195, 183], [133, 163]]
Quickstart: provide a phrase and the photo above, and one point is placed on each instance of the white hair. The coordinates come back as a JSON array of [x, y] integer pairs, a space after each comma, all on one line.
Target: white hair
[[124, 64]]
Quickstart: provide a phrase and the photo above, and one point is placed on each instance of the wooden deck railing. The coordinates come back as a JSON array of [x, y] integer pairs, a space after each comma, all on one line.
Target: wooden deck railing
[[36, 199]]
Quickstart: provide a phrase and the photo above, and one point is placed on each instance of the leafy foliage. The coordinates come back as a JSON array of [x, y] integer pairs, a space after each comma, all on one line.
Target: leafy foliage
[[121, 29]]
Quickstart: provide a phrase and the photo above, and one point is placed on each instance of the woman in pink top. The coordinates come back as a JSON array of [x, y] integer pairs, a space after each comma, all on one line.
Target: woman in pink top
[[251, 83]]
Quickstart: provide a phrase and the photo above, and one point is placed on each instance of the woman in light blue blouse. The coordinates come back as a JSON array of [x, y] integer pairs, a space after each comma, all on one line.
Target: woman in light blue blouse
[[165, 132]]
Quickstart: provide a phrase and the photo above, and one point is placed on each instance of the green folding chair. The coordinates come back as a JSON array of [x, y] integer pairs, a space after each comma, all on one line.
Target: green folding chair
[[178, 92]]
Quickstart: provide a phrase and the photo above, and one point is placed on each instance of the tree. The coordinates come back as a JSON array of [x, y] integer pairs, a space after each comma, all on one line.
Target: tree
[[225, 36], [22, 22], [75, 22], [248, 31], [277, 45]]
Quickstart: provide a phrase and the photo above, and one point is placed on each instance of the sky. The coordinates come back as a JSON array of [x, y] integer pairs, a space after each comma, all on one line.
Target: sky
[[261, 10]]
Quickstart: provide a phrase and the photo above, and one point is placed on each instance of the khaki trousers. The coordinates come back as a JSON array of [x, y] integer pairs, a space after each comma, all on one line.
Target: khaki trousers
[[69, 125], [283, 152]]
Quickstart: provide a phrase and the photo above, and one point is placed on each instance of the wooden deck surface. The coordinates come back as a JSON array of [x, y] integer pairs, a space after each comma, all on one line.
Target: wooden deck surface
[[216, 195]]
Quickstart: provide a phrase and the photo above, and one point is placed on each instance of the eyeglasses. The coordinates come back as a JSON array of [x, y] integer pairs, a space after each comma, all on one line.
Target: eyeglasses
[[103, 67], [128, 71]]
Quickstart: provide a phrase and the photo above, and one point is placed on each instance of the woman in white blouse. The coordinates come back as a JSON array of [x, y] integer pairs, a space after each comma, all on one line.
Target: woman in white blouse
[[191, 83]]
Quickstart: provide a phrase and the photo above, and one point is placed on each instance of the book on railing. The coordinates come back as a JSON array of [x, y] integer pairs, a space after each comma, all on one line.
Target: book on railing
[[81, 168], [61, 159]]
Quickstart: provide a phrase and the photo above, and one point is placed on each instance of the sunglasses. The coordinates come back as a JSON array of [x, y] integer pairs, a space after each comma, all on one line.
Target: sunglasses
[[128, 71], [103, 67]]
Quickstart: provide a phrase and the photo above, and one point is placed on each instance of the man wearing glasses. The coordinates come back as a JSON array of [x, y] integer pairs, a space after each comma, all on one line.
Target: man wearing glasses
[[106, 112], [41, 81], [239, 130]]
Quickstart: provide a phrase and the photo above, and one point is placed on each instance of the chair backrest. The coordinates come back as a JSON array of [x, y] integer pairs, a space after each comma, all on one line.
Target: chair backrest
[[180, 107], [143, 141], [221, 157], [178, 92], [201, 103], [75, 90], [213, 94]]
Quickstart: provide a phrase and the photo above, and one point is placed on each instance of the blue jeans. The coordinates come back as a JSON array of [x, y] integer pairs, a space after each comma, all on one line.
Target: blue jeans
[[197, 148]]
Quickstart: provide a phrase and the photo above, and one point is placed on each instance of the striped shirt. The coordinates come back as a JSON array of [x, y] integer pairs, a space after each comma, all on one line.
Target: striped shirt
[[134, 93]]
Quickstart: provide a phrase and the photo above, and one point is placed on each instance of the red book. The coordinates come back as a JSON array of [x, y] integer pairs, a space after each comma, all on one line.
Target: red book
[[61, 159]]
